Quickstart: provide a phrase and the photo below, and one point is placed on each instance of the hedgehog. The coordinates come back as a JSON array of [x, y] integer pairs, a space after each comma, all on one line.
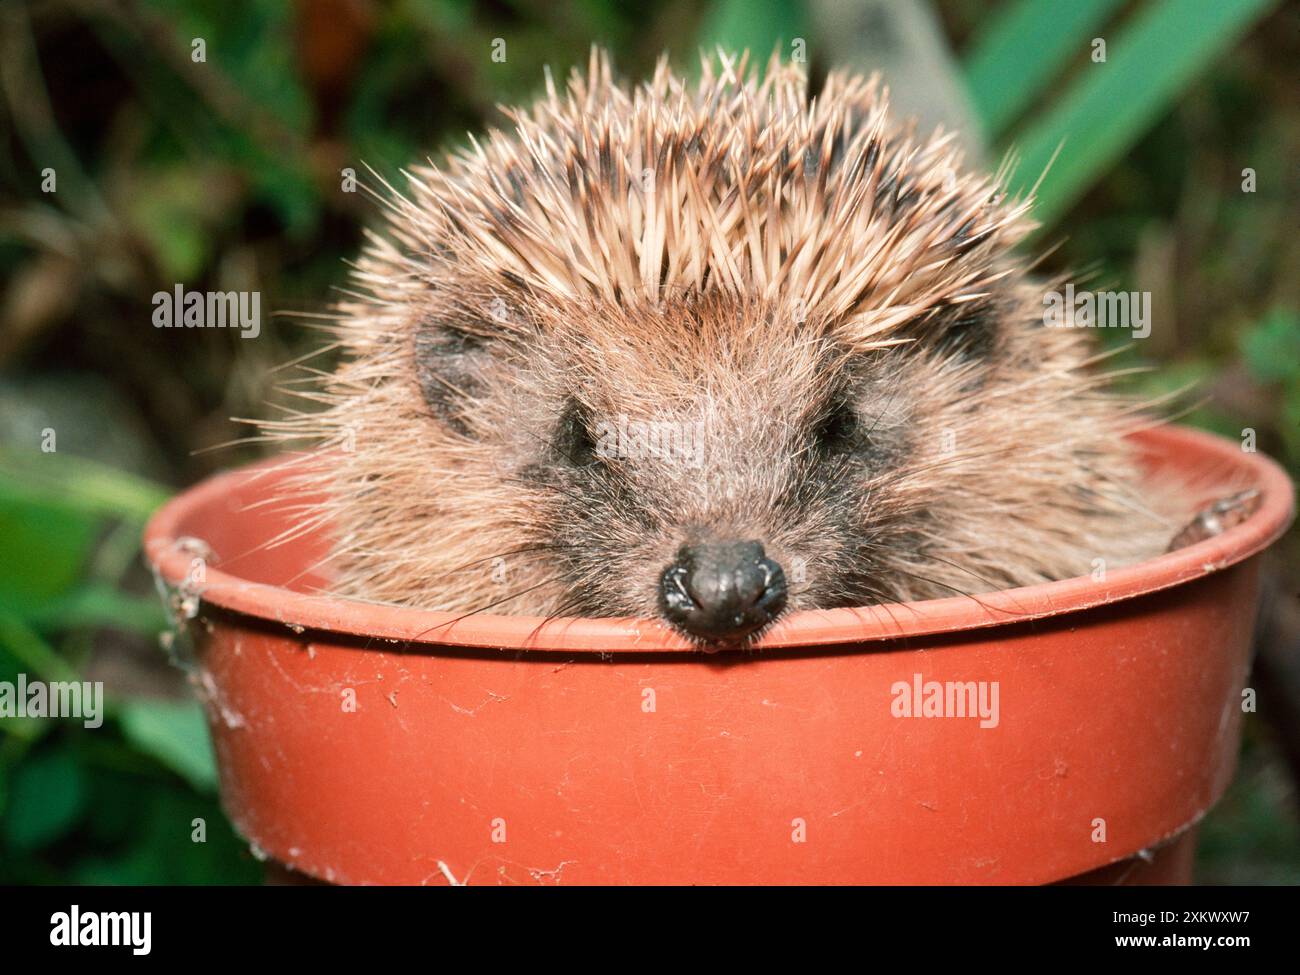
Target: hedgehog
[[710, 352]]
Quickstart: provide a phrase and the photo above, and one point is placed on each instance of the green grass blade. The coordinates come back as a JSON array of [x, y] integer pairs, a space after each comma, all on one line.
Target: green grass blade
[[78, 484], [97, 605], [1109, 108], [1019, 51], [23, 650]]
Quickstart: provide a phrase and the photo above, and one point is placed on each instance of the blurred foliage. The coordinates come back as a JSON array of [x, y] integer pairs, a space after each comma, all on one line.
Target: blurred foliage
[[1016, 54], [225, 174], [1101, 115], [119, 804]]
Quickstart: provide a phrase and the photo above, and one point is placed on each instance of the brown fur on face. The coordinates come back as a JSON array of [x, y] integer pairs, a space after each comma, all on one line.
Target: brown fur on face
[[657, 316]]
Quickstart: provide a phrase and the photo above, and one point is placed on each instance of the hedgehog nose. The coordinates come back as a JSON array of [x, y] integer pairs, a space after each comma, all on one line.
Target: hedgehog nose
[[722, 591]]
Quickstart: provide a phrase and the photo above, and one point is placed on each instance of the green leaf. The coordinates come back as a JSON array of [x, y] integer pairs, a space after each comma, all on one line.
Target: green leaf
[[740, 25], [1272, 347], [99, 605], [1113, 103], [1021, 47], [176, 734], [157, 844], [53, 507], [23, 649], [47, 796], [80, 485], [44, 547]]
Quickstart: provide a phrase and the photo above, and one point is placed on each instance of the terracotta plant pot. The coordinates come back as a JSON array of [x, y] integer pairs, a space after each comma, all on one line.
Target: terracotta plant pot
[[489, 750]]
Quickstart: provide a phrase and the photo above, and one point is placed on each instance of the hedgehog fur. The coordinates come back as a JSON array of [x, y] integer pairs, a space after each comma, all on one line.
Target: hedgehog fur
[[829, 304]]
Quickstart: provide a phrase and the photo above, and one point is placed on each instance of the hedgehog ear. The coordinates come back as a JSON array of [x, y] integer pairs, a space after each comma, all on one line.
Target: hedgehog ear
[[450, 363], [971, 332]]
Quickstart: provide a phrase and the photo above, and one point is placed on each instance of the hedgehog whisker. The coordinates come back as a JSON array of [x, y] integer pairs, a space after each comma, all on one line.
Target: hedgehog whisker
[[992, 586], [961, 592], [496, 602], [884, 601], [560, 611]]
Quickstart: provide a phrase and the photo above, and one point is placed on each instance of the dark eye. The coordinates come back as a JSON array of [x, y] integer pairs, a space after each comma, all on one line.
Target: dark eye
[[837, 428], [574, 440]]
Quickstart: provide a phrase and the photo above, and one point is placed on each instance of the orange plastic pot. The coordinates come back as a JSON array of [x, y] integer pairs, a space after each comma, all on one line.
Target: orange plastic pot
[[367, 744]]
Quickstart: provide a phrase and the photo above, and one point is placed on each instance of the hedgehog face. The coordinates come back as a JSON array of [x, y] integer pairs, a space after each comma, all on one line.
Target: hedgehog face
[[713, 461], [712, 464]]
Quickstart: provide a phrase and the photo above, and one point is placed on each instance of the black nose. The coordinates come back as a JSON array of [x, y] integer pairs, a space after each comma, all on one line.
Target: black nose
[[722, 591]]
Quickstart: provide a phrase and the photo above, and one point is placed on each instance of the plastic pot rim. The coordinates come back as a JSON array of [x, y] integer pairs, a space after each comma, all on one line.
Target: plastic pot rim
[[809, 628]]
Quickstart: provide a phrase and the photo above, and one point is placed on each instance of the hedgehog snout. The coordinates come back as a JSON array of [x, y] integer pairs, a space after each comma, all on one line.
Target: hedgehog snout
[[722, 592]]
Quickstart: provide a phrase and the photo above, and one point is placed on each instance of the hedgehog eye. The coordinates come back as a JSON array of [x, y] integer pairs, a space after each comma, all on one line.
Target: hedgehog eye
[[574, 440], [837, 428]]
